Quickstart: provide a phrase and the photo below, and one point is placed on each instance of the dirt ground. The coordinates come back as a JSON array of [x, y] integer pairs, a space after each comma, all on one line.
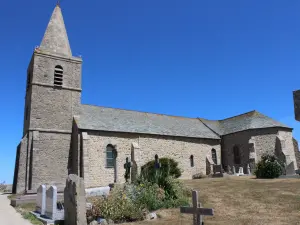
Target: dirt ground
[[241, 201]]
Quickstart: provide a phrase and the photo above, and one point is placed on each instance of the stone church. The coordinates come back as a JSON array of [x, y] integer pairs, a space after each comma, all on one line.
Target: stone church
[[61, 135]]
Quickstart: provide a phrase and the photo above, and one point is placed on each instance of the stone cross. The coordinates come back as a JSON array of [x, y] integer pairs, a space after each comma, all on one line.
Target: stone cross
[[196, 210], [51, 195], [41, 200], [127, 167], [157, 164]]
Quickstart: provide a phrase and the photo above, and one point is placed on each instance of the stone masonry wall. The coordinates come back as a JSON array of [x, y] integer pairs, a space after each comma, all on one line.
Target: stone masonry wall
[[50, 159], [297, 153], [264, 142], [20, 167], [180, 149]]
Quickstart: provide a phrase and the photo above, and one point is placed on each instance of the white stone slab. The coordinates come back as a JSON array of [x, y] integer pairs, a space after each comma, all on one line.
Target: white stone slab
[[99, 191], [41, 200], [51, 202]]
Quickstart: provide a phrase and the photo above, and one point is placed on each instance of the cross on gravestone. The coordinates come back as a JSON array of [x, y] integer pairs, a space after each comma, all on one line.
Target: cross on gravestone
[[127, 167], [196, 210], [157, 164]]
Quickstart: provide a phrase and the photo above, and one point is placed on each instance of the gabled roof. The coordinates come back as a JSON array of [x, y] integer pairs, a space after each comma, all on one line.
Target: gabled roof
[[120, 120], [246, 121], [55, 39]]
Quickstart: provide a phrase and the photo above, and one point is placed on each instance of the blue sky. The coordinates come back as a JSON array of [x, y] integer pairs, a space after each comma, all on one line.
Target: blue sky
[[211, 59]]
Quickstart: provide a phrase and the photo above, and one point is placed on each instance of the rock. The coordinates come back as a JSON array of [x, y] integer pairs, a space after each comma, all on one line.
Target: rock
[[89, 206], [151, 216], [110, 222], [93, 223], [103, 222]]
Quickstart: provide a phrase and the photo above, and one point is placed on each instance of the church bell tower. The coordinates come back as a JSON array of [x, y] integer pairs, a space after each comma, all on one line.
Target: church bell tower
[[53, 98]]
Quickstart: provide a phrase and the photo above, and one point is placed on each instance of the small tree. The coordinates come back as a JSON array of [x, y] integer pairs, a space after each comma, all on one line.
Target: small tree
[[268, 167]]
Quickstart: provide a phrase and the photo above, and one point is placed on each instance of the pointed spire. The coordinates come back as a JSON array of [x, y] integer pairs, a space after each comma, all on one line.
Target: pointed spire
[[55, 38]]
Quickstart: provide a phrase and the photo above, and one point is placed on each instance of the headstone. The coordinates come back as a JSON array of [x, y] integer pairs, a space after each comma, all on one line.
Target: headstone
[[75, 201], [51, 199], [229, 170], [41, 200], [196, 210], [217, 169], [234, 170], [127, 167], [248, 169], [99, 191], [241, 171]]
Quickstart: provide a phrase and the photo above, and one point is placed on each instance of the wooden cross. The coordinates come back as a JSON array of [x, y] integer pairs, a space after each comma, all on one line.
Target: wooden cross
[[196, 210]]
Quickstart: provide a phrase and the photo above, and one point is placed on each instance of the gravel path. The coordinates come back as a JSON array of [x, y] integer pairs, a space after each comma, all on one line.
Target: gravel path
[[8, 215]]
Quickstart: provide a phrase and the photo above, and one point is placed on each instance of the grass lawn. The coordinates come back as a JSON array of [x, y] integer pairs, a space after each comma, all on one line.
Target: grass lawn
[[241, 200]]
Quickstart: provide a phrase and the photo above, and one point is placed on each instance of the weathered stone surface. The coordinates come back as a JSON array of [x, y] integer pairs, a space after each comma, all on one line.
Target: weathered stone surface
[[264, 141], [180, 149], [74, 201], [296, 95], [93, 223], [41, 200]]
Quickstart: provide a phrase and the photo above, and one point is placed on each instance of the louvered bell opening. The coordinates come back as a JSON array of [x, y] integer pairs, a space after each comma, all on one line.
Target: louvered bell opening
[[58, 77]]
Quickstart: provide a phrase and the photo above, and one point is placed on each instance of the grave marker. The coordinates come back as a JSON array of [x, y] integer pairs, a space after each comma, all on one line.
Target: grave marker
[[41, 200], [196, 210], [51, 200], [127, 167]]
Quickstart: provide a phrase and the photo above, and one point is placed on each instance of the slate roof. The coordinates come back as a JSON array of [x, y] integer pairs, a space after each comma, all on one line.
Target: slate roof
[[246, 121], [120, 120]]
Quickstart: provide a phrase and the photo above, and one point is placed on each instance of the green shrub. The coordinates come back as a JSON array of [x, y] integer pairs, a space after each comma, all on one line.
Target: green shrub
[[268, 167], [169, 167], [117, 207]]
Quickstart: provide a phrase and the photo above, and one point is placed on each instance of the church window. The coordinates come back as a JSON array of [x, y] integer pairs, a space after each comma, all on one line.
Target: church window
[[214, 156], [236, 155], [58, 76], [192, 160], [109, 156]]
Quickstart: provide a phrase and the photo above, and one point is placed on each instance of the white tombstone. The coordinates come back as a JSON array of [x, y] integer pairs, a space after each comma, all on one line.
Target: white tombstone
[[241, 171], [41, 200], [51, 202], [248, 169], [234, 171]]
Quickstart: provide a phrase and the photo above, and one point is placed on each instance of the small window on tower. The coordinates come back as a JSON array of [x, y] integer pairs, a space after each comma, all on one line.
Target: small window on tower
[[58, 76]]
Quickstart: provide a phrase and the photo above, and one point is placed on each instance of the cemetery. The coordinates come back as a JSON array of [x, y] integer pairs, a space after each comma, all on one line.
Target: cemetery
[[156, 196]]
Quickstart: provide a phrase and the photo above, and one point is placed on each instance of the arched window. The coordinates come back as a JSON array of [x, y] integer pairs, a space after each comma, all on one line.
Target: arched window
[[109, 156], [214, 156], [58, 76], [236, 155], [192, 160]]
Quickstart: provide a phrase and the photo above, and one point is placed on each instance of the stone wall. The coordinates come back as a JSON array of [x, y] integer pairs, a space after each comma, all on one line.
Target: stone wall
[[297, 153], [50, 159], [178, 148], [20, 167], [264, 141]]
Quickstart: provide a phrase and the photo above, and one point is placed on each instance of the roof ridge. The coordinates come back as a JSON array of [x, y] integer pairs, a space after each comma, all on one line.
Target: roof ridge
[[131, 110], [253, 111]]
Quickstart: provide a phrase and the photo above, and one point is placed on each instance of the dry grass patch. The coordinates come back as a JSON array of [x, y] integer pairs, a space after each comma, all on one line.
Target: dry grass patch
[[241, 201]]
